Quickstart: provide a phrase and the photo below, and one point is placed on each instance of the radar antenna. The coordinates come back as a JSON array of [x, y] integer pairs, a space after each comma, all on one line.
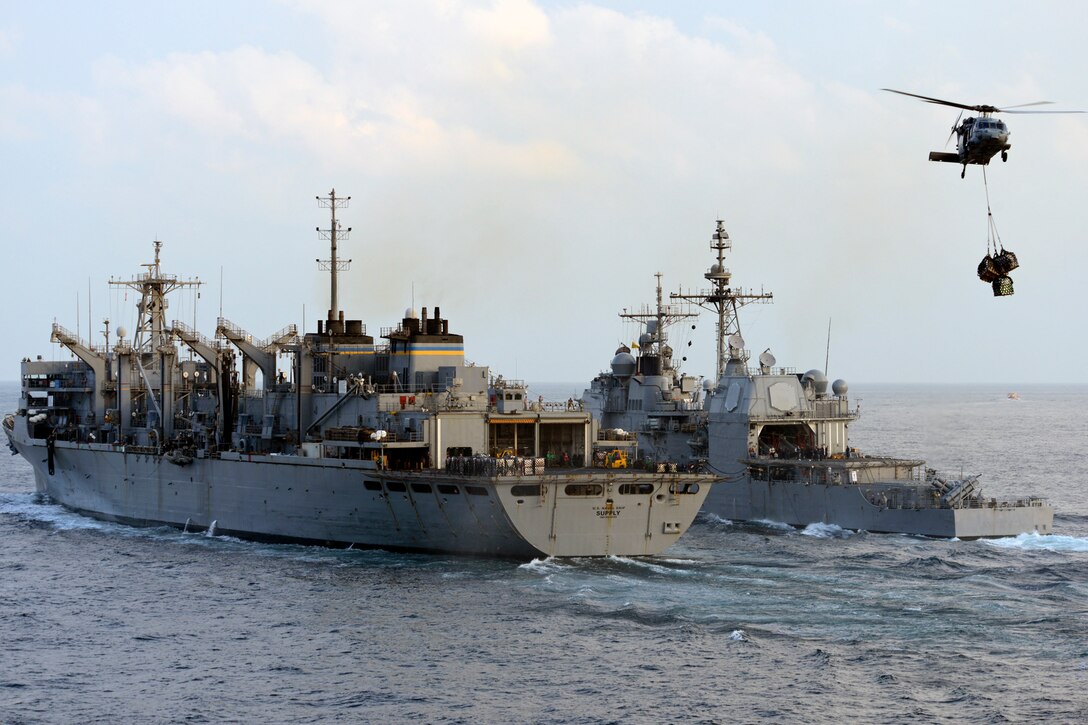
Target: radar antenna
[[723, 299]]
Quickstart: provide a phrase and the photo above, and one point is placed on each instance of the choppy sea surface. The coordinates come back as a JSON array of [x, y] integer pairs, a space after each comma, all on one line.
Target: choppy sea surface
[[738, 623]]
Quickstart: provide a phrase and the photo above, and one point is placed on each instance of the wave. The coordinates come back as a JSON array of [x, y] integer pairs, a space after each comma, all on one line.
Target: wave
[[31, 507], [657, 566], [827, 531], [1046, 542], [769, 524], [934, 564], [548, 565], [715, 519]]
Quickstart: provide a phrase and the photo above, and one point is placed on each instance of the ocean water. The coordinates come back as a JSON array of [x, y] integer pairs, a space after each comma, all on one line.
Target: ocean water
[[738, 623]]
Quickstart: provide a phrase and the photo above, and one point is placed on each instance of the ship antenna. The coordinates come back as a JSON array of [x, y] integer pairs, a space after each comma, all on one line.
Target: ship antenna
[[333, 233], [722, 298], [827, 355]]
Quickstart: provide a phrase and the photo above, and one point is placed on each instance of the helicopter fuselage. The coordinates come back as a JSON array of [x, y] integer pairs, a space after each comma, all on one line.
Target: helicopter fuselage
[[978, 141]]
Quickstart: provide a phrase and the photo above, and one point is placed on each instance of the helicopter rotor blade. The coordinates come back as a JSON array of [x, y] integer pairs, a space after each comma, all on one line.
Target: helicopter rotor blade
[[955, 126], [927, 99], [1003, 111], [1022, 105]]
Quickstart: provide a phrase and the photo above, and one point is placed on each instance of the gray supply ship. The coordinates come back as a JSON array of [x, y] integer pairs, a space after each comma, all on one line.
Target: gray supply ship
[[399, 444], [776, 437]]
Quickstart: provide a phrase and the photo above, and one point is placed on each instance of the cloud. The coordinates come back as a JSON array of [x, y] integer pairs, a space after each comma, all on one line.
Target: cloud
[[8, 43], [561, 152]]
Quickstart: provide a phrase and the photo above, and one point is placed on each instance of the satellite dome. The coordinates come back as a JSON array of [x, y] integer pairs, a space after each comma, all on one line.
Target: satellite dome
[[715, 268], [817, 380], [622, 348], [121, 331], [410, 314], [707, 384], [839, 387], [623, 365]]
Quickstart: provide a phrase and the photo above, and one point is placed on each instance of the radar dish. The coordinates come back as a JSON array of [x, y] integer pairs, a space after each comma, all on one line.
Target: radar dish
[[766, 359], [736, 342]]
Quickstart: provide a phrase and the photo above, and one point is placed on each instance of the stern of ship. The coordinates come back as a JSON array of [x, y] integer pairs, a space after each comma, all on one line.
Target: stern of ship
[[598, 513]]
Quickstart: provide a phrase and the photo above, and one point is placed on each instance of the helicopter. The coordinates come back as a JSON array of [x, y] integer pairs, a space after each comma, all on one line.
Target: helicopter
[[981, 138]]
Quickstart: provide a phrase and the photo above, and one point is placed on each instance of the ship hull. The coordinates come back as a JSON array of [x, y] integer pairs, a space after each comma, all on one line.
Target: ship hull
[[350, 503], [850, 507]]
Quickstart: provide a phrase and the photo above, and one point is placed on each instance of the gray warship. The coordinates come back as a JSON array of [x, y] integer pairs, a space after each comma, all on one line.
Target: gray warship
[[776, 437], [400, 444]]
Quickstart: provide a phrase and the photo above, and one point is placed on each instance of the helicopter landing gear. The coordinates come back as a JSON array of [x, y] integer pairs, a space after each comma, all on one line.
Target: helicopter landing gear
[[1004, 156]]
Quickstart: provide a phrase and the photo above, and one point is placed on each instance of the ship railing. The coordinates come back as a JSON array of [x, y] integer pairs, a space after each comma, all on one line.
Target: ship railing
[[573, 405], [613, 434], [65, 336], [226, 328], [407, 436], [287, 336], [831, 412], [355, 434], [492, 466], [889, 496], [404, 401], [152, 277], [403, 389], [753, 371], [188, 334]]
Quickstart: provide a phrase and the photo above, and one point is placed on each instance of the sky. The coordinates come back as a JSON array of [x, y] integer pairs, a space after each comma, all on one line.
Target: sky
[[529, 167]]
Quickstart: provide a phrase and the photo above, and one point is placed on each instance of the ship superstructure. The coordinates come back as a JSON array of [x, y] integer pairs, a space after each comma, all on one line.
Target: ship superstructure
[[394, 441], [778, 439]]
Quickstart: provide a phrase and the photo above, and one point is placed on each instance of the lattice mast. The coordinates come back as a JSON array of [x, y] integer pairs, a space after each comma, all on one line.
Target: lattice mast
[[663, 315], [151, 333], [334, 233], [721, 298]]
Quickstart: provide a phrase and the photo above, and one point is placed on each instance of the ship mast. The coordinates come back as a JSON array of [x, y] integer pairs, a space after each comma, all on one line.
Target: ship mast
[[152, 334], [333, 233], [662, 315], [723, 299]]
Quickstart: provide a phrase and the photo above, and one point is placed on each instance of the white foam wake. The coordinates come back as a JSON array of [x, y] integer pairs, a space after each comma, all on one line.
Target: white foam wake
[[821, 530], [26, 507], [1046, 542]]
